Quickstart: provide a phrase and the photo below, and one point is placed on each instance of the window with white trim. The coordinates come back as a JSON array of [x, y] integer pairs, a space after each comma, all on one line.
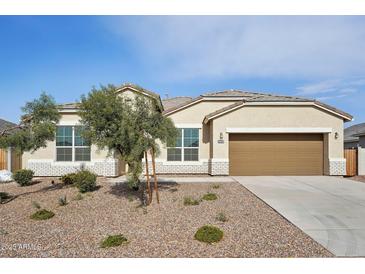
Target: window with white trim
[[70, 145], [186, 147]]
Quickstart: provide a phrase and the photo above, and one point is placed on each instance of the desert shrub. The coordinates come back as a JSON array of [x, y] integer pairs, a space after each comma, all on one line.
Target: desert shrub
[[23, 177], [42, 214], [85, 181], [190, 201], [36, 205], [62, 201], [210, 197], [216, 186], [221, 217], [4, 196], [68, 179], [209, 234], [113, 240]]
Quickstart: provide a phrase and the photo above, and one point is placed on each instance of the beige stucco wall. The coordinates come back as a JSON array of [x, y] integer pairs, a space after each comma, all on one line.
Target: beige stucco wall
[[279, 116], [361, 161], [247, 116], [49, 152], [195, 115]]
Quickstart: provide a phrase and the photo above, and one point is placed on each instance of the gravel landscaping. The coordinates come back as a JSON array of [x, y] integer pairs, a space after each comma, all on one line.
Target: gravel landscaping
[[77, 229]]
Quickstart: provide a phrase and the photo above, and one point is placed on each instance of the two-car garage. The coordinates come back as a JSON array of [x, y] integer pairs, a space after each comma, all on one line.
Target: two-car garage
[[275, 154]]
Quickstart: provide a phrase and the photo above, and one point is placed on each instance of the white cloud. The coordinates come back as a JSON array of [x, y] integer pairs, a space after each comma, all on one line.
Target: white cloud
[[336, 88], [248, 46], [316, 88]]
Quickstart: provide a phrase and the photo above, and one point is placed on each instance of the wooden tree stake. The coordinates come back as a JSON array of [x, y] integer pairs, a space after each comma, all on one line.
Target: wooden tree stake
[[154, 175], [148, 181]]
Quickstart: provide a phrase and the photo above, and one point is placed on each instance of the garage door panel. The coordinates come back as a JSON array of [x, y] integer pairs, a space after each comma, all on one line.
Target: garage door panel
[[276, 154]]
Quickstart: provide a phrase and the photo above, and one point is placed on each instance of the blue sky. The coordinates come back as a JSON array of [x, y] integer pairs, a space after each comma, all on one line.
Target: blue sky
[[316, 57]]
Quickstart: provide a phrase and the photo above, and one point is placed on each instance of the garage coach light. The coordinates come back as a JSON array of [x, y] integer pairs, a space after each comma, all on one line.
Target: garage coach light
[[336, 135]]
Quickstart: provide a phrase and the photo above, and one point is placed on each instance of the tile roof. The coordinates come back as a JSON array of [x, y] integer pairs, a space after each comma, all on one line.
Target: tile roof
[[68, 105], [255, 96], [75, 105], [219, 111], [349, 116], [175, 101], [248, 96], [131, 85], [351, 132], [178, 106], [5, 124]]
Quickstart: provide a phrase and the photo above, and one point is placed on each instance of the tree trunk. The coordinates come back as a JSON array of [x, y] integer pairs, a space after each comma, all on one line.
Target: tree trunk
[[154, 175], [148, 181]]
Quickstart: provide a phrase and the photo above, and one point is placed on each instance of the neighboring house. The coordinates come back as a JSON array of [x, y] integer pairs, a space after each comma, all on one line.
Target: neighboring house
[[355, 136], [229, 132], [9, 159]]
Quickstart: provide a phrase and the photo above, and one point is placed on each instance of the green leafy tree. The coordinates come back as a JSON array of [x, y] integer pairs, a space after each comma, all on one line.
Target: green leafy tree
[[37, 126], [129, 127]]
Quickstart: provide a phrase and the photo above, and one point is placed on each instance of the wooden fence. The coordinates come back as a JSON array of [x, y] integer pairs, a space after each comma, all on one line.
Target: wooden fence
[[16, 160], [3, 159], [351, 162]]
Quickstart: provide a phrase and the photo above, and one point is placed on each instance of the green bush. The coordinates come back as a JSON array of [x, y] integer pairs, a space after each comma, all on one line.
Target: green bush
[[216, 186], [210, 197], [68, 179], [221, 217], [113, 240], [42, 214], [85, 181], [190, 201], [209, 234], [23, 177]]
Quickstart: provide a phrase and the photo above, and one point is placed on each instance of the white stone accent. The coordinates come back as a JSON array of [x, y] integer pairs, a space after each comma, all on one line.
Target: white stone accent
[[337, 166], [165, 167], [218, 166], [107, 167]]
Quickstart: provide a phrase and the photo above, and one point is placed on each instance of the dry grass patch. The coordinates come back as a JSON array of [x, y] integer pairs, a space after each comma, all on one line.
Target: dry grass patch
[[113, 240], [189, 201], [221, 217], [210, 197], [42, 214]]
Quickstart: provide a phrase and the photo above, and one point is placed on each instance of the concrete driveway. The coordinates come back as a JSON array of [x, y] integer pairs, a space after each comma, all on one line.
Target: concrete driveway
[[331, 210]]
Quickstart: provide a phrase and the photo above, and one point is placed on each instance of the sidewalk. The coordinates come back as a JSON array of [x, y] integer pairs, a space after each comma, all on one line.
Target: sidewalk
[[181, 179]]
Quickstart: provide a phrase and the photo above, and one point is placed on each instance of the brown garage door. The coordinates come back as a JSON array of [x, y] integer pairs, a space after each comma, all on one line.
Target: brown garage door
[[276, 154]]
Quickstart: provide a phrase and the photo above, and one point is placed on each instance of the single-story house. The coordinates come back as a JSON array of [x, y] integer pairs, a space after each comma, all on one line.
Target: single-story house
[[9, 159], [230, 132], [355, 136]]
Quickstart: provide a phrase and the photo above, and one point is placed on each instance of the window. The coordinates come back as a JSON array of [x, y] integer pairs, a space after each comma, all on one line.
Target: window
[[70, 145], [82, 147], [186, 147], [64, 144]]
